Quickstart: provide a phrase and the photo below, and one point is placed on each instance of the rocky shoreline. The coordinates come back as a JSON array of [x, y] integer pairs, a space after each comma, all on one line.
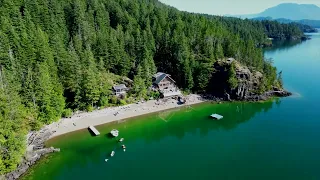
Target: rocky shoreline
[[249, 86], [36, 140], [35, 150], [268, 95], [252, 98]]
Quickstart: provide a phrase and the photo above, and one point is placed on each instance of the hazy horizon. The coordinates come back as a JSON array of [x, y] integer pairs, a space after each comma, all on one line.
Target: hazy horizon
[[230, 7]]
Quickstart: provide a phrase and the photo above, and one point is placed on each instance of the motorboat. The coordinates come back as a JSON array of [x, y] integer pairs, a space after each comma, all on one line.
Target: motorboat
[[114, 133], [112, 153]]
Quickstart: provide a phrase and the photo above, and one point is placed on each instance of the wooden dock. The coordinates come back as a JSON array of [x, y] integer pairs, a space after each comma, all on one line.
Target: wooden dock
[[94, 130]]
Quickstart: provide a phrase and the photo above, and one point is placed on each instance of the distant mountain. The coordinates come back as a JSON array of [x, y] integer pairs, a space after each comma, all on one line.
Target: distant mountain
[[293, 11], [290, 11]]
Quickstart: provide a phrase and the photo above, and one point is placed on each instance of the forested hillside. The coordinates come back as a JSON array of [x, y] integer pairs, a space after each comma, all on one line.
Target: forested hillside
[[306, 28], [303, 25], [253, 28], [277, 30], [57, 55]]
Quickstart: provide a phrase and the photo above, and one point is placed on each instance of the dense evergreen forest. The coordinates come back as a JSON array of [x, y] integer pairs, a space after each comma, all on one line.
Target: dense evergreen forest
[[57, 56], [304, 27], [272, 29]]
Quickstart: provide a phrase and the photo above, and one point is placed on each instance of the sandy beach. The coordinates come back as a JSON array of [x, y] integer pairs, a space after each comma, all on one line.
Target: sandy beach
[[85, 119]]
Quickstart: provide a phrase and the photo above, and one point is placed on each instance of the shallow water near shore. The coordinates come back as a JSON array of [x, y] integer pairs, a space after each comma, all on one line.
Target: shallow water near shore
[[278, 139]]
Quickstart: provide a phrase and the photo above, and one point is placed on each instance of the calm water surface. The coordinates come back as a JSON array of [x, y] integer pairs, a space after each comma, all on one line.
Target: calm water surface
[[272, 140]]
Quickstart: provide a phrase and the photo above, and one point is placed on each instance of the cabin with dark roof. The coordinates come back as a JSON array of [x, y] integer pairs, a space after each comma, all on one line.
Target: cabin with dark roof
[[119, 89], [165, 84]]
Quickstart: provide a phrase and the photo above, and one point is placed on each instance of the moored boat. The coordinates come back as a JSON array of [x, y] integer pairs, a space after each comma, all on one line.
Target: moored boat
[[112, 153], [114, 133]]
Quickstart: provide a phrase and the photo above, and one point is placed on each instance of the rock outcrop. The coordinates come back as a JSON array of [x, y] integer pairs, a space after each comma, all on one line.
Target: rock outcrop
[[248, 83], [267, 95], [35, 150]]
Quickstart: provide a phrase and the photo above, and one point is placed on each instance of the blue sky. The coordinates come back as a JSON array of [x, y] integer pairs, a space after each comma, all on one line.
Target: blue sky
[[223, 7]]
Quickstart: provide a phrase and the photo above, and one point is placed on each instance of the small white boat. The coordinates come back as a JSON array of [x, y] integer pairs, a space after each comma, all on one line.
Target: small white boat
[[114, 133], [123, 147], [112, 153], [122, 139], [106, 160]]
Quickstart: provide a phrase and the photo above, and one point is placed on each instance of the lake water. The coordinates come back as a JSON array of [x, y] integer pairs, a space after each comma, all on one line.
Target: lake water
[[279, 139]]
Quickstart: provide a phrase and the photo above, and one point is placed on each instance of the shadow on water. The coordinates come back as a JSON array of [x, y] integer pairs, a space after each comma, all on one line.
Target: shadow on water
[[91, 133], [283, 45], [109, 136]]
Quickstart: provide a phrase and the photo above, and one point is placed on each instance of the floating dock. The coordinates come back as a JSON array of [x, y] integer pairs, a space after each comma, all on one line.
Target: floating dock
[[94, 130], [216, 116]]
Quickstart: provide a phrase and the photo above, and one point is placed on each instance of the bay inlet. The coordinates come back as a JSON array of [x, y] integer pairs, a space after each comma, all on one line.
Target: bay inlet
[[277, 139]]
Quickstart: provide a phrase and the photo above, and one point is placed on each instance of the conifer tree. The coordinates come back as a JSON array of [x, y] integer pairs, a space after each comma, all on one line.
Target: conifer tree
[[139, 86], [232, 79], [90, 86]]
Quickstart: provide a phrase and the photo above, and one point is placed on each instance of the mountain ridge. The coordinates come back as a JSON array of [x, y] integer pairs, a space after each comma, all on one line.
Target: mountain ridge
[[292, 11]]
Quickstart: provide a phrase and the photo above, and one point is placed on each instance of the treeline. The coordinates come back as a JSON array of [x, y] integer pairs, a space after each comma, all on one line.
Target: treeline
[[63, 55], [303, 25], [258, 29], [312, 23], [306, 28], [280, 31]]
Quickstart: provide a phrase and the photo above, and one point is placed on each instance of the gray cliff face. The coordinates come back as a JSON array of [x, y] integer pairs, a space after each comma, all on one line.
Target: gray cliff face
[[247, 87], [248, 83], [35, 150]]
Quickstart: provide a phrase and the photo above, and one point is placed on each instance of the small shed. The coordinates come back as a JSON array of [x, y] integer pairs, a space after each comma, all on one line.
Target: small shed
[[120, 89]]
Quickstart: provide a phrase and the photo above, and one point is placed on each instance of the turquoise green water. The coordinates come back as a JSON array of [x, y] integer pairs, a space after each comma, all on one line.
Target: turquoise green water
[[273, 140]]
